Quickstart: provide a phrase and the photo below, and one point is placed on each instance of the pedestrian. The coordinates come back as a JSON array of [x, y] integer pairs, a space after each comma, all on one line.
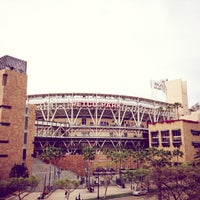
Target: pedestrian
[[66, 193]]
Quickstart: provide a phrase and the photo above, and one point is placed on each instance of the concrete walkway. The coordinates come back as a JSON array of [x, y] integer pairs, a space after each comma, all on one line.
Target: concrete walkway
[[112, 190], [60, 194]]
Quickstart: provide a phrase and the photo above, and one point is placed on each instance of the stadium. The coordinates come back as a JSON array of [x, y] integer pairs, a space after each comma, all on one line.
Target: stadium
[[75, 120]]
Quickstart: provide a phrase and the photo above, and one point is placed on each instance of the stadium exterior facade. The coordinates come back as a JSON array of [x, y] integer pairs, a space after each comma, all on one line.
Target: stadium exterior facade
[[72, 121], [75, 120]]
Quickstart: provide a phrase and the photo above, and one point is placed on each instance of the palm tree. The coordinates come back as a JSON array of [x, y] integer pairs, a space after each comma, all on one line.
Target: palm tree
[[88, 154], [139, 157], [118, 157], [177, 105]]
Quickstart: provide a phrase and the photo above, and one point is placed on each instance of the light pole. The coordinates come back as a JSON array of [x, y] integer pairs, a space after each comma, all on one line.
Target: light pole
[[97, 176], [98, 187]]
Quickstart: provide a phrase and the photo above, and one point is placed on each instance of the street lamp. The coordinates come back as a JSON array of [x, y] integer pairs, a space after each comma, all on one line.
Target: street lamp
[[96, 173]]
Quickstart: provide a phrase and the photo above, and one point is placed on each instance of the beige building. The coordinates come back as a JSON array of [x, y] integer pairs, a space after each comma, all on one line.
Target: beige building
[[179, 134], [176, 92], [16, 119]]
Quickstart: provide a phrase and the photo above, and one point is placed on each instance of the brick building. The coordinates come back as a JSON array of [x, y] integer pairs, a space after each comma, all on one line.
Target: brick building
[[176, 134], [16, 118]]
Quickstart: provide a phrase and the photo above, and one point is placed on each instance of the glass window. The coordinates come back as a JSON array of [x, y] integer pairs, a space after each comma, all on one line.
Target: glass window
[[176, 137], [154, 138], [165, 138]]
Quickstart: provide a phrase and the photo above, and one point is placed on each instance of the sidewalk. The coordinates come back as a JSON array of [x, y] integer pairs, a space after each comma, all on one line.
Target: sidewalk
[[60, 194]]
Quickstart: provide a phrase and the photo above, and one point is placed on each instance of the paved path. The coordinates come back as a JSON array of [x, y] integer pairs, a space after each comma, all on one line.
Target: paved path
[[59, 194]]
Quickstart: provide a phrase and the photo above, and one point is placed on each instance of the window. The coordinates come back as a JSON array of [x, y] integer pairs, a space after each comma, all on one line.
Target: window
[[4, 141], [4, 80], [4, 124], [83, 121], [176, 137], [196, 144], [165, 138], [3, 155], [154, 138], [24, 154], [5, 107], [195, 132], [25, 137], [26, 123]]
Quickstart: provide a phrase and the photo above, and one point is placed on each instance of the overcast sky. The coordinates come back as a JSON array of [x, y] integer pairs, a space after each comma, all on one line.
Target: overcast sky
[[103, 46]]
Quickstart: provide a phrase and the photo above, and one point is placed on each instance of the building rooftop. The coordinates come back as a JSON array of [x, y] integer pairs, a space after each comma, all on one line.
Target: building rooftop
[[9, 62]]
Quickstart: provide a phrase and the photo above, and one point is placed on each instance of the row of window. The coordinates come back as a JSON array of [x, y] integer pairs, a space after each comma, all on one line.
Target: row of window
[[165, 138]]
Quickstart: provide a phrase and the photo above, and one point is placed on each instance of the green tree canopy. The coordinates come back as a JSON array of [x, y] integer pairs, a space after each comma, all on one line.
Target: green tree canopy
[[197, 157], [22, 187], [18, 171], [180, 182], [67, 185], [50, 153], [88, 155]]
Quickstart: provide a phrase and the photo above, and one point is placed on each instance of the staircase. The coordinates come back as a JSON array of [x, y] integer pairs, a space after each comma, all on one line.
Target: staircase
[[49, 174]]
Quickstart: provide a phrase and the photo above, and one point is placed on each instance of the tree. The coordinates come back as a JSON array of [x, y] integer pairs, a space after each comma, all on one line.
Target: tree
[[67, 185], [177, 105], [107, 177], [88, 154], [49, 154], [22, 187], [197, 157], [177, 182], [139, 157], [4, 188], [18, 171], [177, 153], [137, 177], [159, 157], [118, 157]]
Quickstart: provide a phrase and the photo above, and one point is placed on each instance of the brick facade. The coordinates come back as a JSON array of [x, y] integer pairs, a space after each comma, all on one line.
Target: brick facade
[[13, 87]]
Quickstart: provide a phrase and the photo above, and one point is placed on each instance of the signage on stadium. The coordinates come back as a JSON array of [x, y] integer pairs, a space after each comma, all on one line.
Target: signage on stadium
[[94, 104]]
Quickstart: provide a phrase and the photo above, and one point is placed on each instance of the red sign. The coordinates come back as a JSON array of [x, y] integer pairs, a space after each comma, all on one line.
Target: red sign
[[94, 105]]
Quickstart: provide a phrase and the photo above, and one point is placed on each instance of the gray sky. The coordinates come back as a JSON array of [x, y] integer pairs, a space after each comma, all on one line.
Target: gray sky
[[103, 46]]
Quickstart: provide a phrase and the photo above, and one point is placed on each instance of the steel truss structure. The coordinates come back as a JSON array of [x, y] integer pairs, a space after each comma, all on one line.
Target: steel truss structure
[[75, 120]]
